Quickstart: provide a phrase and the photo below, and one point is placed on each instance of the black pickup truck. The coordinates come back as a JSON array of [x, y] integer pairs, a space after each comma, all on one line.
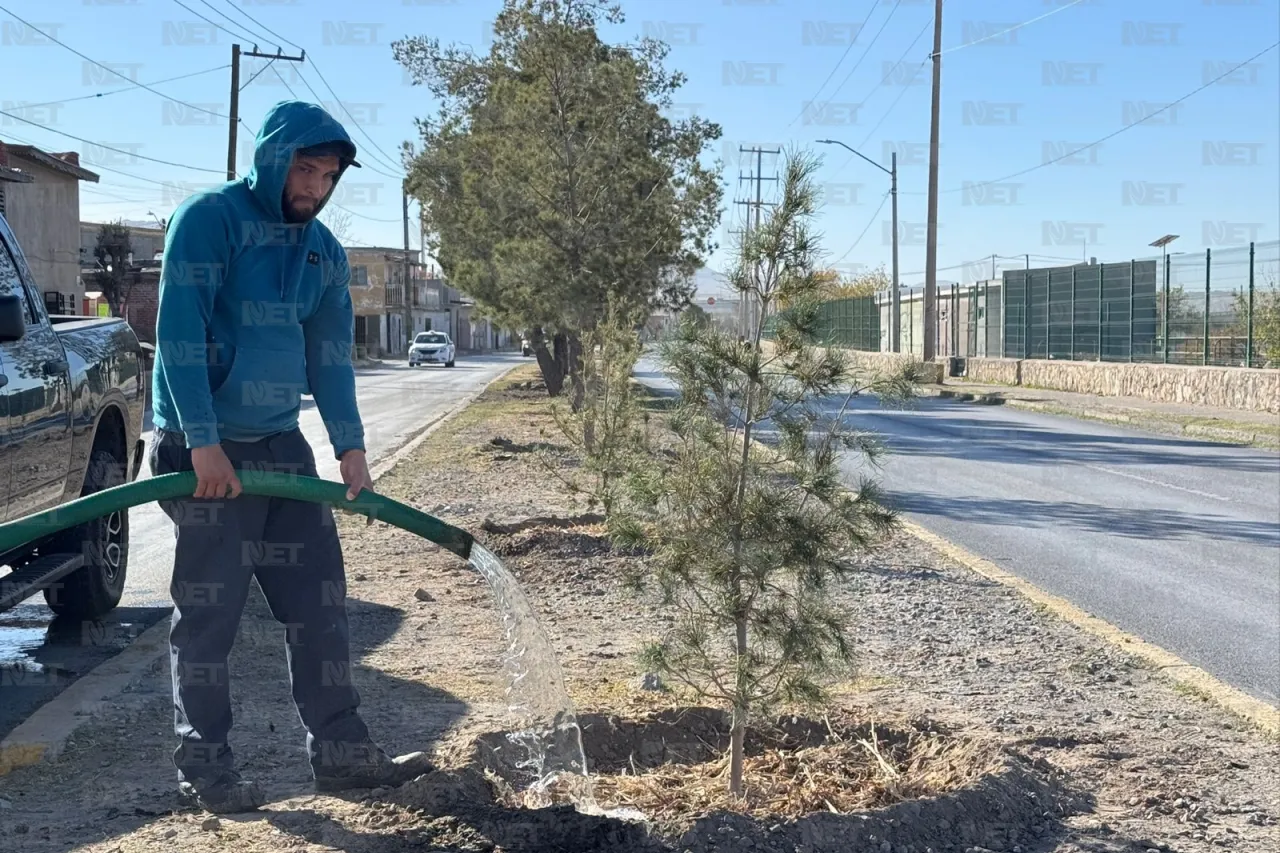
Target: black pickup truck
[[72, 405]]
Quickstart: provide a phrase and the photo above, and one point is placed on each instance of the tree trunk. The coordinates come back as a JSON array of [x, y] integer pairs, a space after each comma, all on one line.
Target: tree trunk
[[574, 369], [551, 362], [737, 742], [738, 737]]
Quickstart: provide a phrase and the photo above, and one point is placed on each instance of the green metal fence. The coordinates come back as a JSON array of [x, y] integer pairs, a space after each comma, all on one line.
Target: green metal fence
[[1216, 307], [851, 323], [1220, 307]]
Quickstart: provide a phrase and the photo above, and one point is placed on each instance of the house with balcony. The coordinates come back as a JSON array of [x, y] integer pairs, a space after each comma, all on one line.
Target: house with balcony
[[396, 295], [40, 199], [369, 273]]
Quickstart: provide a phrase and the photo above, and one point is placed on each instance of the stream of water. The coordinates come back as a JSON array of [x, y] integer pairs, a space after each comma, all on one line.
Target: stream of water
[[546, 741]]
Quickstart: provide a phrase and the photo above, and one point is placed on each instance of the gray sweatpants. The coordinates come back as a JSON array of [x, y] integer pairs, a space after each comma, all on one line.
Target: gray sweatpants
[[292, 548]]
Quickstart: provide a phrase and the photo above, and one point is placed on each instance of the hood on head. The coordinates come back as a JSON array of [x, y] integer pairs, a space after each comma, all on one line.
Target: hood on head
[[287, 127]]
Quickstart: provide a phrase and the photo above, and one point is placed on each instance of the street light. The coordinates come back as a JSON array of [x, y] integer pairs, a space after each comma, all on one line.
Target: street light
[[895, 299], [1163, 245]]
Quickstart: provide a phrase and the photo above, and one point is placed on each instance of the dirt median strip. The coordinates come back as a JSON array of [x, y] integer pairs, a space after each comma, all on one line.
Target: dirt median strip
[[42, 736]]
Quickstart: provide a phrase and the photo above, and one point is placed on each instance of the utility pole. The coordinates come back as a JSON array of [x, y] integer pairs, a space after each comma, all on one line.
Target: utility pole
[[895, 301], [931, 244], [408, 277], [895, 295], [748, 309], [236, 53], [235, 112]]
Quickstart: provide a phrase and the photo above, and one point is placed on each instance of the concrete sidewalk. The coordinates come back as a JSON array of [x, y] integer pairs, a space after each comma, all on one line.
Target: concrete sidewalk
[[1231, 426]]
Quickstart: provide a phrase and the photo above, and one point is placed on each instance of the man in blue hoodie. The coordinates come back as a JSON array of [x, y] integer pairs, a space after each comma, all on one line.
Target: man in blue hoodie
[[255, 312]]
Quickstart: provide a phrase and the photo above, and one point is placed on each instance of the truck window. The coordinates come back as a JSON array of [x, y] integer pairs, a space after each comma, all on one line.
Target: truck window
[[11, 282]]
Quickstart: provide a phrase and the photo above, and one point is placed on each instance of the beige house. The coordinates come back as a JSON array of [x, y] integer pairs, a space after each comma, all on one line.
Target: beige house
[[40, 198], [377, 293], [384, 323]]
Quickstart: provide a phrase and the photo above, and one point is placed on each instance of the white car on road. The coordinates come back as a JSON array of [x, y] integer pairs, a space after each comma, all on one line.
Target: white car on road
[[432, 348]]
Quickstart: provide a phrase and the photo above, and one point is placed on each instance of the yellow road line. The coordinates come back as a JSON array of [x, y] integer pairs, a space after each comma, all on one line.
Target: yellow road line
[[1257, 712]]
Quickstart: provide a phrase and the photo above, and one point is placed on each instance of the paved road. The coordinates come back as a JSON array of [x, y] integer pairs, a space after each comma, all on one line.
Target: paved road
[[1175, 541], [39, 658]]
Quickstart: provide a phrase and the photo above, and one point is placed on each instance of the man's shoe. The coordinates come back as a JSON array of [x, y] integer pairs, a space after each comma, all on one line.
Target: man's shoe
[[224, 794], [376, 770]]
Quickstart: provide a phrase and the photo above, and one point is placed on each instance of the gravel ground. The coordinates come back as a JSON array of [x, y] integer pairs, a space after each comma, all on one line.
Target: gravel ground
[[1099, 752]]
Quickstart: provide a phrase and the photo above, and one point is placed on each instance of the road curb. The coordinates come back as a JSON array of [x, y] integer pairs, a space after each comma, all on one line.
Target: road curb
[[1255, 711], [44, 734], [1219, 435]]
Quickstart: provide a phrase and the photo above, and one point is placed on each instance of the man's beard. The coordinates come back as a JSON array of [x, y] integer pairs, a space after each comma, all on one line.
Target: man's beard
[[294, 214]]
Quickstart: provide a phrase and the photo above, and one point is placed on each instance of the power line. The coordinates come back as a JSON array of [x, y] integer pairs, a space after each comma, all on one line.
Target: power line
[[1010, 29], [252, 36], [903, 89], [372, 166], [874, 39], [108, 147], [1114, 133], [901, 93], [101, 168], [387, 159], [864, 231], [839, 62], [118, 91], [264, 27], [280, 77], [119, 198], [112, 70], [887, 112], [271, 63], [215, 23]]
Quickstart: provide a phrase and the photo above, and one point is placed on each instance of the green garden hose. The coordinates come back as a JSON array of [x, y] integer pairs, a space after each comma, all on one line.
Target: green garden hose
[[266, 483]]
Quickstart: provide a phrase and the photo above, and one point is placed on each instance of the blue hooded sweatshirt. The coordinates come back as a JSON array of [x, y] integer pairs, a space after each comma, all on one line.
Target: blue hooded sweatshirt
[[255, 312]]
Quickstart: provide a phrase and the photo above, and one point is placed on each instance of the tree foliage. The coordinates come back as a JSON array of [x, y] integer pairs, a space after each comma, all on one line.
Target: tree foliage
[[1265, 316], [112, 255], [338, 221], [604, 429], [748, 539], [551, 182]]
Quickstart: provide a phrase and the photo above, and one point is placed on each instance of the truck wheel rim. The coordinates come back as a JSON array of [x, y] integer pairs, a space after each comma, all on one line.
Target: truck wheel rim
[[112, 534]]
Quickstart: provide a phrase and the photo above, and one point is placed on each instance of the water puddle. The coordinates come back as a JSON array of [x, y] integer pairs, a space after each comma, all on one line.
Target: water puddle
[[546, 743]]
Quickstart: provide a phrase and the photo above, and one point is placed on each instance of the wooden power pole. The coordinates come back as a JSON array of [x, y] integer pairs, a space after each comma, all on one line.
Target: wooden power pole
[[408, 268], [931, 241], [236, 53], [235, 112]]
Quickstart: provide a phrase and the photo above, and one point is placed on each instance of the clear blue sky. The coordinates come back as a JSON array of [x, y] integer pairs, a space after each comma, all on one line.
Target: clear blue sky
[[1206, 169]]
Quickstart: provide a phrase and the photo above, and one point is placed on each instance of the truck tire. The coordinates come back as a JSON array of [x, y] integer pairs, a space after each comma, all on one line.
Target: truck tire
[[95, 588]]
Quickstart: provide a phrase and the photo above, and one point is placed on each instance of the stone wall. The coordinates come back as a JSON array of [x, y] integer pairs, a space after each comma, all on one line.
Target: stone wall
[[994, 371], [890, 362], [1223, 387]]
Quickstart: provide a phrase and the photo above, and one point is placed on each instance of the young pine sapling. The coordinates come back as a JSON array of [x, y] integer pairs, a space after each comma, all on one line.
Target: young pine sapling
[[746, 539]]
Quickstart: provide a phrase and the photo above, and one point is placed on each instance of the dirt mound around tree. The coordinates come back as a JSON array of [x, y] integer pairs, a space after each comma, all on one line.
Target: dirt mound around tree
[[832, 784]]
